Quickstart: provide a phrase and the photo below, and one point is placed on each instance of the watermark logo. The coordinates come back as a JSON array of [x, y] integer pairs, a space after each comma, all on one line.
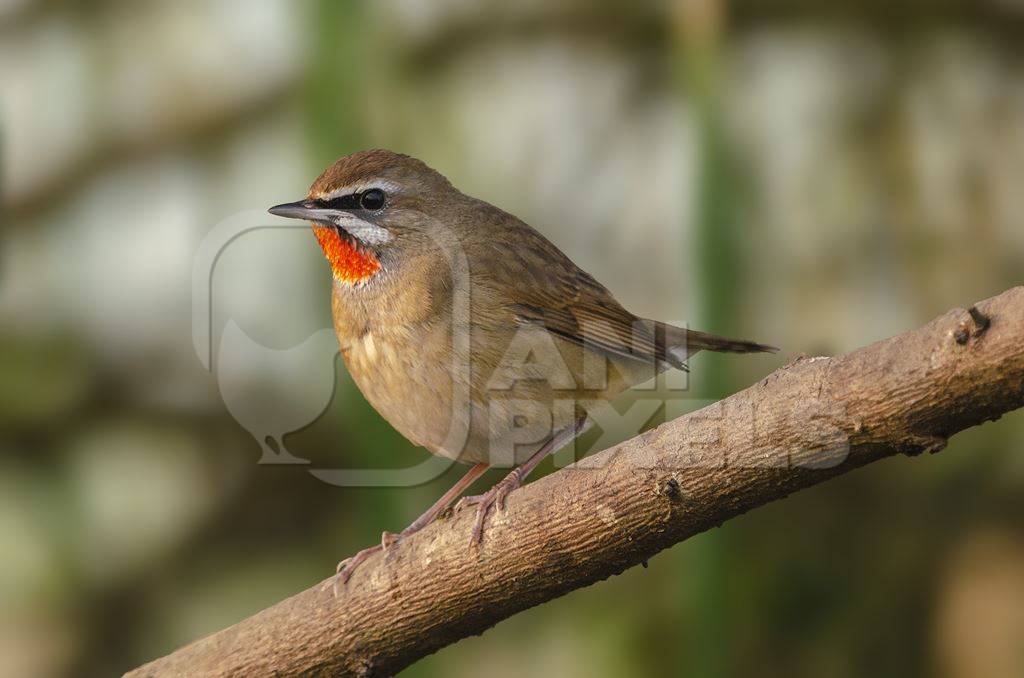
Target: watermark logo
[[498, 393]]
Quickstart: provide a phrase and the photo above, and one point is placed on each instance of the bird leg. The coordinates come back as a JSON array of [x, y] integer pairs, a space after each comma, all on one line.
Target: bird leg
[[347, 567], [499, 493]]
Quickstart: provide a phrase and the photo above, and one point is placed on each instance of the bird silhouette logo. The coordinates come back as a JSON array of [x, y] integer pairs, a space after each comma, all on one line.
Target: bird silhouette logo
[[270, 392], [273, 392]]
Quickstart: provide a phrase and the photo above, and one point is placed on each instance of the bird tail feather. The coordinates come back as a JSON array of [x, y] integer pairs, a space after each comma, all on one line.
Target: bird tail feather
[[682, 343]]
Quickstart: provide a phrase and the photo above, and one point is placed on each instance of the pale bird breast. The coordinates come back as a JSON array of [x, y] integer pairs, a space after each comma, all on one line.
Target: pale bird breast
[[373, 350]]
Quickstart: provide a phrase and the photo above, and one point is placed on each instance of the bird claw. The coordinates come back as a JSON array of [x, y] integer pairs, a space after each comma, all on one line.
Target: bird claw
[[496, 495], [344, 570], [483, 502], [387, 539]]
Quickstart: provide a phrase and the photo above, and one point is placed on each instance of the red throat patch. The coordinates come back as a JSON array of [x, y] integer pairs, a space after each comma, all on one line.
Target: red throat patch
[[350, 264]]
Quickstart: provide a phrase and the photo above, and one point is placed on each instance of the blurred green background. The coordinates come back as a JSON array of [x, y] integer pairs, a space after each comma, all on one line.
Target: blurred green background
[[817, 175]]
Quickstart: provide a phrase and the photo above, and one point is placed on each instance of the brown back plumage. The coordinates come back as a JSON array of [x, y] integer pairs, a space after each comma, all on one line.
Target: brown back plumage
[[541, 285]]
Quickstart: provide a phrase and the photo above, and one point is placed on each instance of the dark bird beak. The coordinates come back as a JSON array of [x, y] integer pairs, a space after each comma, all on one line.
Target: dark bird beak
[[304, 209]]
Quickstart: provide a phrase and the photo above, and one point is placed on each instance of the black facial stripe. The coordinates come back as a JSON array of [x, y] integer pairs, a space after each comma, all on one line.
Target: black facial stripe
[[342, 202], [355, 201]]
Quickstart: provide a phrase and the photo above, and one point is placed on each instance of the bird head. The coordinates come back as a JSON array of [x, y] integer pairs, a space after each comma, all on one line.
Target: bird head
[[370, 207]]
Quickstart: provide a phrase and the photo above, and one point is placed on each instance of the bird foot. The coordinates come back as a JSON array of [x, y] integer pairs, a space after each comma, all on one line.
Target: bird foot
[[346, 567], [483, 502]]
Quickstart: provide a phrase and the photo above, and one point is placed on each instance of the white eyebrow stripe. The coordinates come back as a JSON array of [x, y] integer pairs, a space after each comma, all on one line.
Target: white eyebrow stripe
[[359, 187]]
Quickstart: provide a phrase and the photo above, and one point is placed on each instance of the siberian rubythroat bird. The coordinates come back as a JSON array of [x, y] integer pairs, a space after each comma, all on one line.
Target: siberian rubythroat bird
[[466, 329]]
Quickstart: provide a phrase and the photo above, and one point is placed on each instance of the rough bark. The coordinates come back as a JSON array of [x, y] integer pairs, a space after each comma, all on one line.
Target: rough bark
[[809, 421]]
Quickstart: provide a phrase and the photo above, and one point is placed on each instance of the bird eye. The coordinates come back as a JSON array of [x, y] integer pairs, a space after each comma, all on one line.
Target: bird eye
[[372, 199]]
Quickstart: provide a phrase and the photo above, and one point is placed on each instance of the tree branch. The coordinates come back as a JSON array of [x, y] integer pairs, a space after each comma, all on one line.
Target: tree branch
[[809, 421]]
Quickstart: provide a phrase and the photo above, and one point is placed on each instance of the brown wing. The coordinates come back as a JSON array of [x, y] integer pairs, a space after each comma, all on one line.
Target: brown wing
[[550, 290]]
